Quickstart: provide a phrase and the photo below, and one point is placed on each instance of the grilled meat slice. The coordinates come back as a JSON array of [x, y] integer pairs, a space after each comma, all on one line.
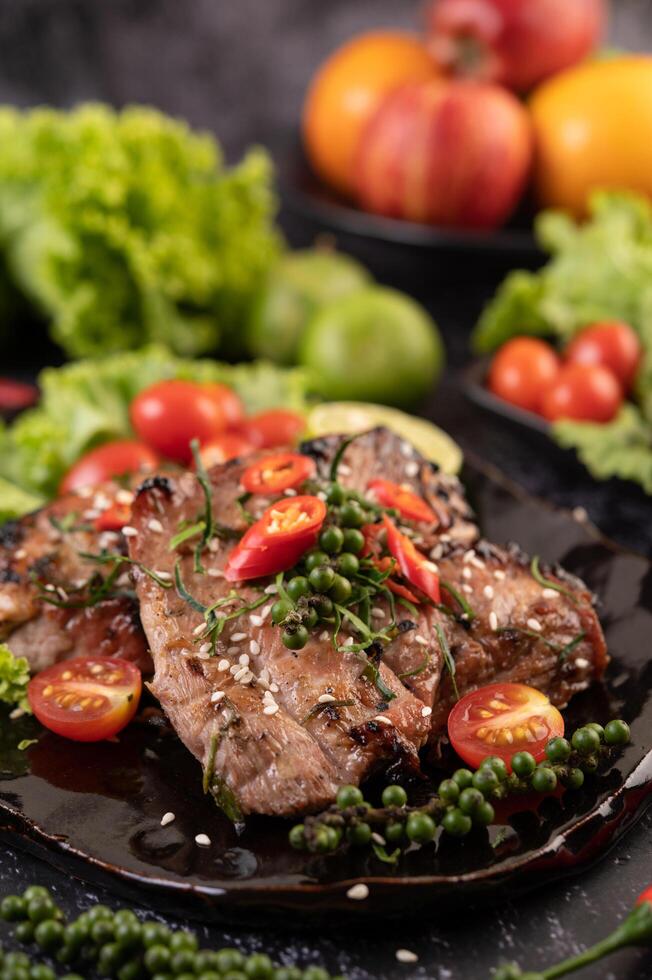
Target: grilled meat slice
[[264, 691], [46, 611]]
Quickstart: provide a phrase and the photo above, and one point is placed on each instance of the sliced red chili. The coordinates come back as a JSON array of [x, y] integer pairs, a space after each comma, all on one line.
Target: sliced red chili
[[645, 896], [414, 566], [274, 474], [285, 531], [114, 518], [383, 565], [404, 500]]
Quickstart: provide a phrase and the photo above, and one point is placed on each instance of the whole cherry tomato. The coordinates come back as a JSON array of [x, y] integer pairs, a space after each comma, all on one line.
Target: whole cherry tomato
[[522, 370], [613, 344], [586, 392], [228, 402], [228, 445], [107, 461], [170, 414], [276, 427]]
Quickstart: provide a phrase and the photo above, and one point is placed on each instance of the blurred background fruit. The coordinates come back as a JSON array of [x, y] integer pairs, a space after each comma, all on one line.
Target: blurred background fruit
[[375, 345], [517, 43], [346, 91], [296, 288], [593, 129], [455, 154]]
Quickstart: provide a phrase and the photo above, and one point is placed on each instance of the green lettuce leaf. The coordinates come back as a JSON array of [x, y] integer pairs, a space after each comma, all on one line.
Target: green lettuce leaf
[[621, 448], [14, 678]]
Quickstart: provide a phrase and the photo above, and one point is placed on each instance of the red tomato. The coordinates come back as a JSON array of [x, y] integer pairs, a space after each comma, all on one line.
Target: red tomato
[[613, 344], [87, 698], [170, 414], [414, 566], [278, 427], [407, 503], [15, 395], [646, 896], [286, 530], [228, 402], [587, 392], [522, 370], [222, 448], [107, 461], [502, 719], [274, 474], [114, 518]]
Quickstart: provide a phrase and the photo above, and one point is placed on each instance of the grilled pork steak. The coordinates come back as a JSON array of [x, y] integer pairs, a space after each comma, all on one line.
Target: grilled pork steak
[[47, 610]]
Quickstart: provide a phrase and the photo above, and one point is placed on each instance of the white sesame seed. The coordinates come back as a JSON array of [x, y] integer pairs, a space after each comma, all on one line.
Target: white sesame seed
[[421, 640], [348, 642], [17, 713], [467, 588], [204, 648], [237, 637], [445, 538], [270, 589], [85, 492], [325, 698], [466, 572], [488, 592], [430, 565], [213, 545], [534, 624], [437, 552], [246, 678], [254, 647], [232, 651], [265, 611], [20, 554], [256, 620], [217, 696], [290, 492], [411, 468], [426, 712], [203, 840], [324, 635], [493, 620], [550, 594], [359, 892], [243, 659], [92, 513], [468, 555], [155, 526], [407, 450], [477, 563], [215, 573], [270, 709], [377, 612], [129, 532], [240, 673], [275, 688], [223, 666], [499, 575], [406, 956], [580, 514], [378, 839], [344, 469], [384, 720], [199, 629], [124, 497], [167, 818], [581, 662], [163, 574]]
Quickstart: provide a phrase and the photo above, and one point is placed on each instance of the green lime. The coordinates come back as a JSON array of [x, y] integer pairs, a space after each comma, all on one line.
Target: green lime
[[376, 344], [349, 417], [298, 286]]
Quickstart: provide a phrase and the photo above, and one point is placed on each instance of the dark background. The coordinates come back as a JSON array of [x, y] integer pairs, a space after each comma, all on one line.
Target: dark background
[[239, 68]]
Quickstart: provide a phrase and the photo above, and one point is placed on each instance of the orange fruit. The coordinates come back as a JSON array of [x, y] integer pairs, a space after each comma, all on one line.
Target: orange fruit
[[347, 90]]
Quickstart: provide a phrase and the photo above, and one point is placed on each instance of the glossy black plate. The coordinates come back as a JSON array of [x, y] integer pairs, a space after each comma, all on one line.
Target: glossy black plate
[[95, 810]]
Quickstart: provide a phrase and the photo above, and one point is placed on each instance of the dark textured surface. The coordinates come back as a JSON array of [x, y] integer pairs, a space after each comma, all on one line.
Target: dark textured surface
[[240, 68]]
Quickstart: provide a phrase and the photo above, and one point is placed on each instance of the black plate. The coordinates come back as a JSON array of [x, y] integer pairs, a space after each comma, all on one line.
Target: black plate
[[305, 194], [95, 810]]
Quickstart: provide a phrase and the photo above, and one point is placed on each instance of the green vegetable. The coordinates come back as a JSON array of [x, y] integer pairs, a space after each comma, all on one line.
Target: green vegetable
[[298, 286], [374, 345], [125, 228], [86, 403], [14, 678], [621, 448]]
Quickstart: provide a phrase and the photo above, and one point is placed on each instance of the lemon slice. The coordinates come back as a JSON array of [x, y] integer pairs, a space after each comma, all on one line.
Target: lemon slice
[[431, 441]]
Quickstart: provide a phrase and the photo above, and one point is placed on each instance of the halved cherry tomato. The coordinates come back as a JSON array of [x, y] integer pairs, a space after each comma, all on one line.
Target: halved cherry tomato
[[114, 518], [522, 370], [274, 474], [228, 445], [404, 500], [170, 414], [613, 344], [285, 531], [502, 719], [277, 427], [587, 392], [227, 401], [107, 461], [414, 566], [86, 698], [15, 395]]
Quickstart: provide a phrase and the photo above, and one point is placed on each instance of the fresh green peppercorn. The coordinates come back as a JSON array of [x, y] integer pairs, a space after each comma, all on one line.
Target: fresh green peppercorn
[[463, 778], [229, 960], [617, 732], [394, 831], [134, 971], [297, 587], [448, 791], [101, 932], [205, 959], [353, 541], [484, 814], [420, 828], [40, 909], [182, 940], [334, 838], [297, 837], [322, 841], [235, 975], [573, 779], [125, 915], [41, 972], [281, 609], [288, 973], [128, 934], [322, 578], [558, 750], [295, 637], [352, 514], [497, 765], [76, 934], [323, 606], [456, 823], [585, 741], [99, 912], [486, 781], [72, 976], [590, 763], [13, 960], [331, 540], [110, 958], [15, 973], [157, 958], [523, 764], [315, 973], [37, 891], [348, 565], [359, 834], [543, 779], [335, 494], [341, 589], [24, 932], [309, 618], [470, 799], [596, 728], [182, 961], [155, 934], [209, 975], [49, 935], [394, 796], [314, 559], [349, 796], [258, 966]]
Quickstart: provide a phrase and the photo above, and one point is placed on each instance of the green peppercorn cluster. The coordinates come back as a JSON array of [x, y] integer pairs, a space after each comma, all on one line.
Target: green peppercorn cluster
[[461, 802], [118, 944], [328, 574]]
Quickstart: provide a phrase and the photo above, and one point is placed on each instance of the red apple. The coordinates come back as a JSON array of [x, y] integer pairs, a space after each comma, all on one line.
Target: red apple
[[445, 153], [515, 42]]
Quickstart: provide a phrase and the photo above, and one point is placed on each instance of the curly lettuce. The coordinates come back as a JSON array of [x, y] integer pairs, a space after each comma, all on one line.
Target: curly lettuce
[[125, 228], [86, 403], [621, 448], [14, 678]]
